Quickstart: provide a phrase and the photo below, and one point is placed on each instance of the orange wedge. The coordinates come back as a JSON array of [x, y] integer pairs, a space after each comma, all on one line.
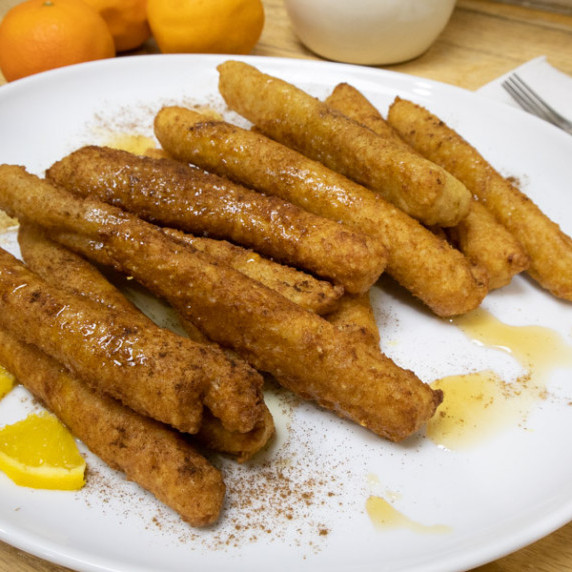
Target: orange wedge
[[39, 452]]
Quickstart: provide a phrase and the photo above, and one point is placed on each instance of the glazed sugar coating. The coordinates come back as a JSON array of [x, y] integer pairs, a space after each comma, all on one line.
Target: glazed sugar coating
[[301, 350], [61, 267], [479, 236], [430, 268], [172, 194], [295, 118], [154, 456], [549, 249]]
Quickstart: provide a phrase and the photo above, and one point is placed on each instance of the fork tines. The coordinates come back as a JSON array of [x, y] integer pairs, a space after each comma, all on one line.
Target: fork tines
[[530, 101]]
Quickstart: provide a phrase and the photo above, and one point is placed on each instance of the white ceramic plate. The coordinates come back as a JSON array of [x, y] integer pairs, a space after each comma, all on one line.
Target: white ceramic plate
[[302, 505]]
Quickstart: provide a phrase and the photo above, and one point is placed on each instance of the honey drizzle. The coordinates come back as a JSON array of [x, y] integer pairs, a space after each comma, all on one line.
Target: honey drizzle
[[384, 515], [478, 405], [136, 144]]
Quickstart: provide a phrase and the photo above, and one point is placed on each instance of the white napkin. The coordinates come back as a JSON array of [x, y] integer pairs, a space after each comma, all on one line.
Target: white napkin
[[551, 84]]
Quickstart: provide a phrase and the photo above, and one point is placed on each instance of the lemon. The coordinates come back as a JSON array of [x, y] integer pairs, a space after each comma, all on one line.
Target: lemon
[[39, 452], [7, 381]]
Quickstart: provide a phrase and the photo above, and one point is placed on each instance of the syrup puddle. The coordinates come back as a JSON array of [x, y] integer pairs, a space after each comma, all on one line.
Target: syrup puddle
[[536, 347], [383, 515], [136, 144], [478, 405]]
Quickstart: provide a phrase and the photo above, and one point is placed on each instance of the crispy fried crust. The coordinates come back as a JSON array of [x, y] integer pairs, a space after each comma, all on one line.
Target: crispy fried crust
[[293, 117], [479, 236], [232, 390], [549, 249], [301, 350], [354, 315], [427, 266], [304, 352], [486, 242], [353, 104], [242, 446], [170, 193], [61, 267], [319, 296], [150, 369], [156, 457]]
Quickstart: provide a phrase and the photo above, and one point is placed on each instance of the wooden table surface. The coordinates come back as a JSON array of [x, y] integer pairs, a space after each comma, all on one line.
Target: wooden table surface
[[482, 41]]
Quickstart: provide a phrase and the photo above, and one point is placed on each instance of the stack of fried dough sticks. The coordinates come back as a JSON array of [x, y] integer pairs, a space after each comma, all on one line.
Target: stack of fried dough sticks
[[266, 243]]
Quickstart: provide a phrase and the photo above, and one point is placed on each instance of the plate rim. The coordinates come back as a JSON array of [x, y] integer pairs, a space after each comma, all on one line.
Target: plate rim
[[49, 551]]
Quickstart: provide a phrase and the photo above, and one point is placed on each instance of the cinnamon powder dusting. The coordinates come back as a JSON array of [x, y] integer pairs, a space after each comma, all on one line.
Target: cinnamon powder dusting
[[273, 498]]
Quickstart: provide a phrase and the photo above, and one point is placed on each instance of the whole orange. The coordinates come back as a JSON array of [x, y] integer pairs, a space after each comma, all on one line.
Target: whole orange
[[127, 21], [40, 35], [206, 26]]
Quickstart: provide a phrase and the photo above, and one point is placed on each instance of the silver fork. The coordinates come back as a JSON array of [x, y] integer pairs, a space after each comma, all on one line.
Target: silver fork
[[530, 101]]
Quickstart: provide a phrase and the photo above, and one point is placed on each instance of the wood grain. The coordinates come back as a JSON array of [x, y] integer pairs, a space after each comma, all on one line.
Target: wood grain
[[483, 40]]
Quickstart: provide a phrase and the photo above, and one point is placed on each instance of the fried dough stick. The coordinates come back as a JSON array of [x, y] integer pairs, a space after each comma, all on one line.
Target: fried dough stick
[[319, 296], [486, 242], [354, 314], [152, 370], [549, 249], [303, 352], [60, 266], [353, 104], [172, 194], [295, 118], [479, 236], [427, 266], [156, 457]]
